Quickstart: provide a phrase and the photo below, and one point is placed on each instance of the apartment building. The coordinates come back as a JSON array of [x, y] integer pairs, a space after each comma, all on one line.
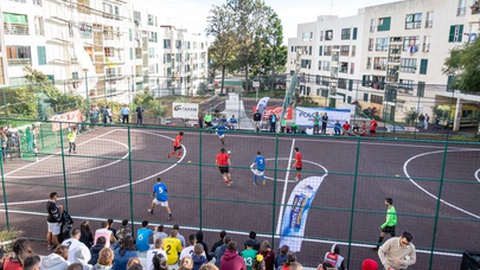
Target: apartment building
[[327, 54], [402, 51], [96, 48]]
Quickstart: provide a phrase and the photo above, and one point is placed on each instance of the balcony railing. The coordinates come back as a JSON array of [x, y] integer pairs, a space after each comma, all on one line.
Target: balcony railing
[[19, 29]]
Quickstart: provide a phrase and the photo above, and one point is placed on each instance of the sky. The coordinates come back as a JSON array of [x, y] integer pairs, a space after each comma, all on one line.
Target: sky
[[192, 14]]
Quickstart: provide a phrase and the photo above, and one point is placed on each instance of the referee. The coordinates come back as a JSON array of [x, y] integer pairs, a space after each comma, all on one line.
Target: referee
[[389, 225]]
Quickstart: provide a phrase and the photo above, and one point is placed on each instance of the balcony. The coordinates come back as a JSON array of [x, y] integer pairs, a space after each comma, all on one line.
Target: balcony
[[19, 62], [16, 29]]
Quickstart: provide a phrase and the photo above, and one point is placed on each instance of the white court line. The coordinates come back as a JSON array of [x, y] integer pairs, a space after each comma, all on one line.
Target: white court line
[[116, 187], [194, 228], [59, 152], [477, 175], [405, 170], [285, 186], [77, 172]]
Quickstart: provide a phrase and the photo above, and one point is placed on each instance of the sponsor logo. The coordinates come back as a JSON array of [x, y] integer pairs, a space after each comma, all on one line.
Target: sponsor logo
[[182, 108]]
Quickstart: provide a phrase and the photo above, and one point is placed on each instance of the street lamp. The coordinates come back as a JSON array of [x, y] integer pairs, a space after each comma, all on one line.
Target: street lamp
[[87, 94]]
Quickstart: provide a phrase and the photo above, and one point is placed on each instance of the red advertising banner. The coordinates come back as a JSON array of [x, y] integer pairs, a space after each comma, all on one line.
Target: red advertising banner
[[276, 110], [72, 116]]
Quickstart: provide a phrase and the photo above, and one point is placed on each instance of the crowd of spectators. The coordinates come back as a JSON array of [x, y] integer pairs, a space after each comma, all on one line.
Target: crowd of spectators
[[153, 249]]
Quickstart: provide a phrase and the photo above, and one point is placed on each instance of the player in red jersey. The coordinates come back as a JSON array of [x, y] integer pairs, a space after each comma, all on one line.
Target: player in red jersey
[[223, 161], [177, 145], [298, 163]]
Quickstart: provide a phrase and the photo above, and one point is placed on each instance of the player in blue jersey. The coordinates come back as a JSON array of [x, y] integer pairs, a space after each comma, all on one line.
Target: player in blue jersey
[[258, 168], [221, 132], [160, 192]]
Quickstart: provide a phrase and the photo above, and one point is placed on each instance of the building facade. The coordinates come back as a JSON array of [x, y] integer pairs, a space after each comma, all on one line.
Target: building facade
[[403, 48], [97, 48]]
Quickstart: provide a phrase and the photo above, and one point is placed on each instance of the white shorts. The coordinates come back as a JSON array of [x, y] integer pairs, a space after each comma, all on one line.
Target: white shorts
[[53, 228], [157, 202], [221, 136], [259, 173]]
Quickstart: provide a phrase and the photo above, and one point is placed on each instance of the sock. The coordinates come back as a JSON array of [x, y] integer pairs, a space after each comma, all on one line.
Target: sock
[[180, 153], [255, 179], [380, 240], [263, 178], [298, 176]]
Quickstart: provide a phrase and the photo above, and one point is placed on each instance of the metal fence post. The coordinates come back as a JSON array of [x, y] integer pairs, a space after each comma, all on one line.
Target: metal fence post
[[274, 190], [62, 153], [439, 200], [354, 194], [4, 192], [130, 175], [200, 190]]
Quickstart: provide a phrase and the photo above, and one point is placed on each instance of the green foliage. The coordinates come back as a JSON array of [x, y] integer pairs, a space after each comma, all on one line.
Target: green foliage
[[19, 103], [463, 63], [306, 102], [7, 235], [156, 107], [411, 117]]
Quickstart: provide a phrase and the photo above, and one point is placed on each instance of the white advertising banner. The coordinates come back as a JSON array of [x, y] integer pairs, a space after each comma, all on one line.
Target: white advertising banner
[[304, 116], [185, 110]]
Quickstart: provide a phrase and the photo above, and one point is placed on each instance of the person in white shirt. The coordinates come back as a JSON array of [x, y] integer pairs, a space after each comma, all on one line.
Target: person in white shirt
[[73, 244], [105, 232], [188, 251], [158, 248]]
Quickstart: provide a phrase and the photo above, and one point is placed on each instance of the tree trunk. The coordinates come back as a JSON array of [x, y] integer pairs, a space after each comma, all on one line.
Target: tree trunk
[[223, 79]]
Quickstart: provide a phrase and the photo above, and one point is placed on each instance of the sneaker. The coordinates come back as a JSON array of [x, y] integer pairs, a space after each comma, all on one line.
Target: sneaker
[[296, 179], [255, 183], [179, 157], [170, 217], [229, 184], [264, 182], [50, 247], [150, 211], [169, 155]]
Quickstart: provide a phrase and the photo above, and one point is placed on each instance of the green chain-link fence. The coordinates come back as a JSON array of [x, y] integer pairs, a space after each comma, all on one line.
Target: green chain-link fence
[[340, 199]]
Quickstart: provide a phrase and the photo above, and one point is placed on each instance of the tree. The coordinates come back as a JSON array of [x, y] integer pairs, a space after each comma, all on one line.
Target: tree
[[221, 53], [463, 63]]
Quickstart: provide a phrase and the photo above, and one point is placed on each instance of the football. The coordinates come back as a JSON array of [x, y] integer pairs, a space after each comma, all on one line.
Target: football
[[229, 152]]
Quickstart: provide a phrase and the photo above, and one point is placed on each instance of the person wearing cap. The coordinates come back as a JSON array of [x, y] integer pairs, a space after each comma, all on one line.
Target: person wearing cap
[[249, 254], [369, 264], [333, 257]]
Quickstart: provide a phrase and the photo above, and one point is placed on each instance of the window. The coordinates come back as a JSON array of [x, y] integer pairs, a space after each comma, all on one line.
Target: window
[[354, 50], [307, 36], [150, 19], [320, 50], [407, 86], [376, 99], [319, 65], [342, 83], [369, 63], [42, 55], [137, 17], [37, 2], [395, 53], [408, 65], [329, 35], [384, 24], [167, 44], [421, 89], [426, 44], [429, 20], [382, 44], [326, 66], [306, 63], [456, 33], [328, 50], [108, 32], [19, 55], [344, 50], [343, 67], [15, 24], [352, 68], [410, 44], [373, 25], [109, 51], [413, 21], [462, 8], [370, 44], [321, 35], [346, 33], [83, 6], [107, 11], [423, 66], [39, 26], [380, 63], [355, 33], [365, 97]]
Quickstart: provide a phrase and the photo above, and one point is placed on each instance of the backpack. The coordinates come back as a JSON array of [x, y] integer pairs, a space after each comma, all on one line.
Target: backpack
[[331, 258], [67, 225]]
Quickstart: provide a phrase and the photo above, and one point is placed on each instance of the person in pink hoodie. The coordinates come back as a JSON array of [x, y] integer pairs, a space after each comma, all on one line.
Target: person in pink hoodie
[[231, 260]]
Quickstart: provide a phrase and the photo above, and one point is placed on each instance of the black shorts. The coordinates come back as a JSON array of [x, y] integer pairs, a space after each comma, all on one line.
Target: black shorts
[[298, 168], [175, 148], [223, 169], [389, 230]]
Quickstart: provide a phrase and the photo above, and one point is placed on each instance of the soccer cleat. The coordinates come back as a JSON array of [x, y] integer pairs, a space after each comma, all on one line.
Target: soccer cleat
[[179, 157], [229, 184], [255, 183], [150, 211], [170, 217], [169, 155], [264, 182]]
